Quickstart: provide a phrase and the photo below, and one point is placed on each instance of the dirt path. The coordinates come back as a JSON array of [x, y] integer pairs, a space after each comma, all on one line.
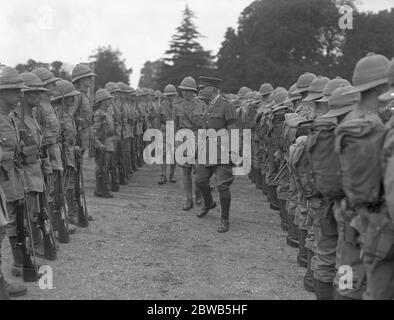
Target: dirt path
[[143, 246]]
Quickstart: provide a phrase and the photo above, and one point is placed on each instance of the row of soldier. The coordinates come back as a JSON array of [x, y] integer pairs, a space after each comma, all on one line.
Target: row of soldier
[[46, 128], [322, 153]]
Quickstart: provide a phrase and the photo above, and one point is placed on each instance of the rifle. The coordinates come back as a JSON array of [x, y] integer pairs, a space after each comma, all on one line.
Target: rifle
[[46, 230], [83, 221], [30, 273], [282, 168], [60, 212]]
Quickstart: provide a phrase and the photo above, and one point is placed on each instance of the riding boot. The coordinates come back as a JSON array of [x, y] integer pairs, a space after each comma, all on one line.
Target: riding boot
[[163, 176], [72, 209], [122, 177], [209, 204], [98, 192], [302, 256], [323, 290], [308, 280], [253, 174], [187, 184], [225, 202], [264, 186], [259, 178]]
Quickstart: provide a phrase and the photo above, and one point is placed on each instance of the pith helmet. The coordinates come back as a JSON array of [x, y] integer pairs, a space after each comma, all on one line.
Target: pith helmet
[[170, 90], [304, 81], [370, 72], [32, 82], [101, 95], [158, 93], [243, 91], [81, 71], [188, 84], [111, 87], [341, 101], [266, 89], [124, 88], [331, 86], [45, 75], [292, 95], [389, 95], [10, 79], [316, 88], [139, 92], [280, 97], [64, 89], [151, 92]]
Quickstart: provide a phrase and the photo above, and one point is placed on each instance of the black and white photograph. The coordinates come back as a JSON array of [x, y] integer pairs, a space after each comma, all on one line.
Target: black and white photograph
[[196, 155]]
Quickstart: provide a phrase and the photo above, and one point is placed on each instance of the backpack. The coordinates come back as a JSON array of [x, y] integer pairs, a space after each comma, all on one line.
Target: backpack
[[292, 129], [324, 161], [276, 121], [359, 143]]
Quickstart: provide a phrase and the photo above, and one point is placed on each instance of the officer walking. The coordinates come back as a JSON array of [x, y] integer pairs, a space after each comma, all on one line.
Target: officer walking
[[220, 114]]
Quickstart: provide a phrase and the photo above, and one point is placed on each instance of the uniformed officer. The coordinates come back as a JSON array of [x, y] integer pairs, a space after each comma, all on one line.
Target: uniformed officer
[[11, 179], [166, 113], [64, 101], [139, 125], [133, 126], [188, 115], [102, 132], [220, 114]]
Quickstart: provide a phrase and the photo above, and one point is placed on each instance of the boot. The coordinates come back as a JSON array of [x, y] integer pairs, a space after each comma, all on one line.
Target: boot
[[225, 203], [209, 204], [264, 186], [3, 289], [302, 256], [188, 205], [292, 236], [197, 196], [259, 178], [105, 186], [163, 180], [98, 192], [308, 281], [115, 187], [122, 177], [15, 290], [172, 173], [17, 266], [323, 290], [283, 215], [274, 203], [72, 209], [224, 226], [253, 174]]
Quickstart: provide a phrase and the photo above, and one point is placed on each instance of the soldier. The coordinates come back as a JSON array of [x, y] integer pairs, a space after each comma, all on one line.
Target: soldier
[[220, 114], [363, 210], [139, 125], [113, 110], [82, 79], [48, 120], [133, 126], [32, 141], [102, 132], [11, 180], [64, 101], [125, 111], [188, 115], [166, 113]]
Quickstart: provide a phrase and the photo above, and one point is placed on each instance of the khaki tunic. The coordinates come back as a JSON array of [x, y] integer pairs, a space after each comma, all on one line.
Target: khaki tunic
[[84, 114], [102, 130]]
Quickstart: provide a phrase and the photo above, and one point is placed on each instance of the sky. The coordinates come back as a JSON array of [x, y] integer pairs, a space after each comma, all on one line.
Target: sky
[[70, 30]]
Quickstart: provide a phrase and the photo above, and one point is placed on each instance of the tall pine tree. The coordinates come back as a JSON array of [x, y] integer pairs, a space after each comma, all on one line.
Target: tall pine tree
[[186, 56]]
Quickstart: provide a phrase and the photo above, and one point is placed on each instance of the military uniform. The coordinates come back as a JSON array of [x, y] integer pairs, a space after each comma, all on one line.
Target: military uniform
[[102, 132], [220, 114]]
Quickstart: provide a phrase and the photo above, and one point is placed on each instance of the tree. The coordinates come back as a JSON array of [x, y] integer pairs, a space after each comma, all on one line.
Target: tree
[[30, 65], [150, 74], [109, 66], [186, 56]]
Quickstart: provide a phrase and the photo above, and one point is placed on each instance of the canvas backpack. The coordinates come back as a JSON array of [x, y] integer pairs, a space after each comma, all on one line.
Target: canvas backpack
[[359, 143]]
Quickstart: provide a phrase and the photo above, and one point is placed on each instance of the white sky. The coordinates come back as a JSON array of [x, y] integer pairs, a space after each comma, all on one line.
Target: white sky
[[70, 30]]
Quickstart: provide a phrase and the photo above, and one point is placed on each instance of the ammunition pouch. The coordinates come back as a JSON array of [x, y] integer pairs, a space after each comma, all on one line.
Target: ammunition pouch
[[30, 154]]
